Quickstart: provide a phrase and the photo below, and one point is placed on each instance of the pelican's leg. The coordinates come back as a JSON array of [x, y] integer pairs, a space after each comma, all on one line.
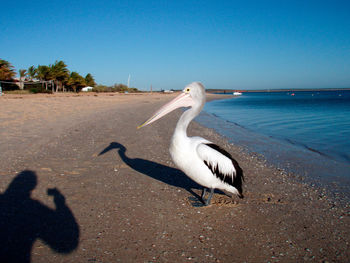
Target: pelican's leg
[[203, 193], [207, 202]]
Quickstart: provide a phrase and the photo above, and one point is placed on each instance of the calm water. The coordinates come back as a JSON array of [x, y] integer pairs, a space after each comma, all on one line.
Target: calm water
[[307, 133]]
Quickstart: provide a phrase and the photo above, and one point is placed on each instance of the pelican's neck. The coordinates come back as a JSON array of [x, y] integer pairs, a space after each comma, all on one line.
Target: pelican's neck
[[184, 121]]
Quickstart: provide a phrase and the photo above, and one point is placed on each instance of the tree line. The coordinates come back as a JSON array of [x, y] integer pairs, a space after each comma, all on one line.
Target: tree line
[[55, 77]]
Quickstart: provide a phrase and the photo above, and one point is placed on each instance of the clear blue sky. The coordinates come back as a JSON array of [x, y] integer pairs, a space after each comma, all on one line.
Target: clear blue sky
[[224, 44]]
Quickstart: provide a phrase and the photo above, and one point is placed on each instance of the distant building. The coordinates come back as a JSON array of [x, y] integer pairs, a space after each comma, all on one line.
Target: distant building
[[88, 88]]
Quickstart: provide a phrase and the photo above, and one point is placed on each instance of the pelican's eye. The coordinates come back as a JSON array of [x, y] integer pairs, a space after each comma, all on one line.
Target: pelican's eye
[[187, 90]]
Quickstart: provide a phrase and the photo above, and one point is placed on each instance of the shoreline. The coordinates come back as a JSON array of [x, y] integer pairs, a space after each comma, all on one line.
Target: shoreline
[[316, 168], [333, 186], [133, 203], [277, 90]]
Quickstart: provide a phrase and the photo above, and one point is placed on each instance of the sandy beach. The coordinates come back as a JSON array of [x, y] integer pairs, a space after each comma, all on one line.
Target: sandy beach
[[79, 183]]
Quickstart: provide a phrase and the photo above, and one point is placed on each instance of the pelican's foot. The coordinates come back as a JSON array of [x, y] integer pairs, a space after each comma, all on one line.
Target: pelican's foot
[[195, 202], [207, 202]]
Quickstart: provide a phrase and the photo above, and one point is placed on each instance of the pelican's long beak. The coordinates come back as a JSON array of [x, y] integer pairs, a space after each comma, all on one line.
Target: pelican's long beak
[[183, 100]]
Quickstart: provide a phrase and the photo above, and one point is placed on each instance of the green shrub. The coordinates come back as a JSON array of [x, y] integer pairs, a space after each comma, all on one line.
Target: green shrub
[[39, 90], [115, 88]]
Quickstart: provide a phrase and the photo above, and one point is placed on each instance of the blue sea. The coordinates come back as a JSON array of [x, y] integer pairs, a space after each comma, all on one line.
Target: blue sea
[[306, 133]]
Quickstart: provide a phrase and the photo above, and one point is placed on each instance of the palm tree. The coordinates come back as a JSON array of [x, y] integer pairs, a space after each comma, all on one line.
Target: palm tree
[[22, 76], [7, 71], [44, 73], [60, 74], [89, 79], [31, 72], [76, 81]]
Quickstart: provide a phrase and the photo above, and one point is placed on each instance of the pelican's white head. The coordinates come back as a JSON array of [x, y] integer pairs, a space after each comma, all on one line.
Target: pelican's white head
[[197, 92], [193, 95]]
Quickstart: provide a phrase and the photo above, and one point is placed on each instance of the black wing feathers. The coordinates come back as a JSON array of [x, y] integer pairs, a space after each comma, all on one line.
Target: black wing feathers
[[237, 180]]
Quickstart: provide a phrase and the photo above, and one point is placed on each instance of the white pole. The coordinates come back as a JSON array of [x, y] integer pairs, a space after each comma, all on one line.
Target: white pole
[[0, 89], [129, 81]]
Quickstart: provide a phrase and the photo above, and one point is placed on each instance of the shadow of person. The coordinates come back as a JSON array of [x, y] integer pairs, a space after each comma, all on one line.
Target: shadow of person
[[163, 173], [23, 220]]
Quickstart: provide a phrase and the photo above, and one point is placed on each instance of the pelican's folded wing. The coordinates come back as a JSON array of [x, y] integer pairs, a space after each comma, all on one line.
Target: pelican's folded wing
[[222, 164]]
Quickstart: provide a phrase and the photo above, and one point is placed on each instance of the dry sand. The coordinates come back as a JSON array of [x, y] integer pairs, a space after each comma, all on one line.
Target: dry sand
[[119, 198]]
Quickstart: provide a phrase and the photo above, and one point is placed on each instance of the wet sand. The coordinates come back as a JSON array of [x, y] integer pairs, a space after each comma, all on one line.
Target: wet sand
[[118, 185]]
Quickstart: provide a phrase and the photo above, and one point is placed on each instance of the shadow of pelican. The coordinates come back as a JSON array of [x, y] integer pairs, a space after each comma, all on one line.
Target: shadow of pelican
[[160, 172]]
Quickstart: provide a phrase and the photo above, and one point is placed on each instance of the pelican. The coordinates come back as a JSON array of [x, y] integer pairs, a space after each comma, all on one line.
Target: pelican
[[201, 160]]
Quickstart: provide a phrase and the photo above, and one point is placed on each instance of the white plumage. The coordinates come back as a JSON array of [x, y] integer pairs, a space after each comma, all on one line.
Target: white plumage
[[201, 160]]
